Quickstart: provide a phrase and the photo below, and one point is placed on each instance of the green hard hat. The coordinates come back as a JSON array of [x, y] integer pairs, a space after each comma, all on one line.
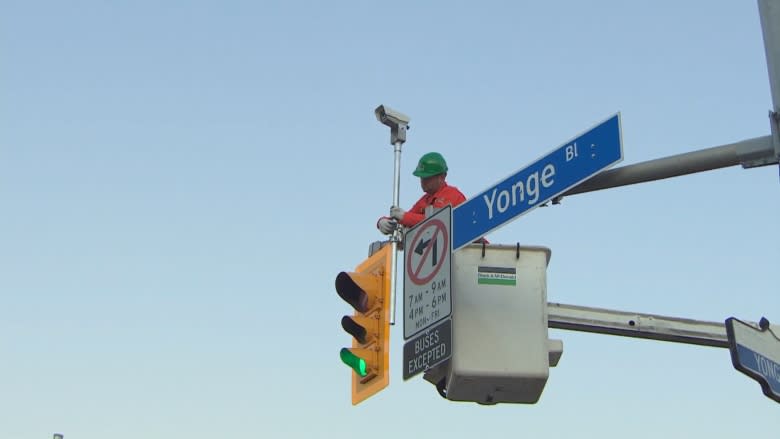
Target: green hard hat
[[430, 164]]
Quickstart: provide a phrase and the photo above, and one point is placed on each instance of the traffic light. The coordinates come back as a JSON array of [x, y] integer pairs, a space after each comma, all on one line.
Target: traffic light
[[367, 290]]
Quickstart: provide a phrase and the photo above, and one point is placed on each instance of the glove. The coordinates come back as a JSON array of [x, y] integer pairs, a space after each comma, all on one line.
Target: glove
[[397, 213], [386, 225]]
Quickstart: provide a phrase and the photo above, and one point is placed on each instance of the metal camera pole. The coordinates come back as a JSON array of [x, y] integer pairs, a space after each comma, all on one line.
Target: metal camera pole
[[398, 123], [769, 12], [750, 153]]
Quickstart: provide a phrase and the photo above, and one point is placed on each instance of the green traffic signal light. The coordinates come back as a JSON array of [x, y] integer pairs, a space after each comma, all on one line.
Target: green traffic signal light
[[356, 363]]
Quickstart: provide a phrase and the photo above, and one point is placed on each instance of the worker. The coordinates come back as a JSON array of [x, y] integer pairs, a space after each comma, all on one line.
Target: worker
[[432, 170]]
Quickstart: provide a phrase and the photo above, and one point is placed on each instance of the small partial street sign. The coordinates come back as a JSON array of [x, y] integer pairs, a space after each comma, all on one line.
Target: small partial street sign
[[541, 181], [756, 353], [428, 349], [427, 272]]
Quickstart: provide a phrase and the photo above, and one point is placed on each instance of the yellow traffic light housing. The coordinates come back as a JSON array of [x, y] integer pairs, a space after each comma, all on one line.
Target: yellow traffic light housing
[[367, 290]]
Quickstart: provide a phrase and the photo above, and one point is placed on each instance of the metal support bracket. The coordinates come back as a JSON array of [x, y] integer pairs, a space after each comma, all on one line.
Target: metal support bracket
[[398, 134]]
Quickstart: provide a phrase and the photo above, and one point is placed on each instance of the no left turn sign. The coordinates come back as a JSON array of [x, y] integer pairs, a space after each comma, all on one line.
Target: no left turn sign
[[427, 252], [427, 272]]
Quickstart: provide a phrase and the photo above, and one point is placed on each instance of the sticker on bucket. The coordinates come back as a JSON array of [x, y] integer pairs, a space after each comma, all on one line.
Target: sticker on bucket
[[496, 276]]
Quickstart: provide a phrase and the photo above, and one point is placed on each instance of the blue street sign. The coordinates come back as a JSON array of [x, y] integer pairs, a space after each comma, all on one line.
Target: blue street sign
[[555, 173], [756, 353]]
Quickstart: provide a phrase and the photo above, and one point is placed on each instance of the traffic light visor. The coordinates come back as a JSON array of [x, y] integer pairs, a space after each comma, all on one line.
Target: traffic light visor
[[354, 288]]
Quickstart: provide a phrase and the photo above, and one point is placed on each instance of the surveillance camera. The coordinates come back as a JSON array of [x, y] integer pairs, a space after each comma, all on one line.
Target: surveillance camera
[[390, 117]]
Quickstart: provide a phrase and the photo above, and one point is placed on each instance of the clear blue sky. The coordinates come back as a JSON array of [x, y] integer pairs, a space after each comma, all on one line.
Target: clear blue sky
[[181, 182]]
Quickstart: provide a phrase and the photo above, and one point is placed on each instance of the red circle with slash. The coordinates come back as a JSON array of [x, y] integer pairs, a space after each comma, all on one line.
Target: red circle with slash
[[428, 252]]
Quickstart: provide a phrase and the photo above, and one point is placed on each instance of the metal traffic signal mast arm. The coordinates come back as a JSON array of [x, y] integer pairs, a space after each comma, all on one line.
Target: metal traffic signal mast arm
[[631, 324], [754, 347], [759, 151], [748, 153]]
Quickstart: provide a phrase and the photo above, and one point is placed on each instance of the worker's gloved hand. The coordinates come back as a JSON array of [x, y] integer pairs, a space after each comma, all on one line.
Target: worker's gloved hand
[[397, 213], [386, 225]]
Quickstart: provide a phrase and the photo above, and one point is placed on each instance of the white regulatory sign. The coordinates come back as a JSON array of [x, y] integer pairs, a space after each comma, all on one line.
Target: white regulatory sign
[[427, 272]]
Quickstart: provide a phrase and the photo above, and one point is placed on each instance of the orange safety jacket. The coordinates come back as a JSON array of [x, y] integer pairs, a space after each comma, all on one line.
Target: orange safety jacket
[[445, 195]]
